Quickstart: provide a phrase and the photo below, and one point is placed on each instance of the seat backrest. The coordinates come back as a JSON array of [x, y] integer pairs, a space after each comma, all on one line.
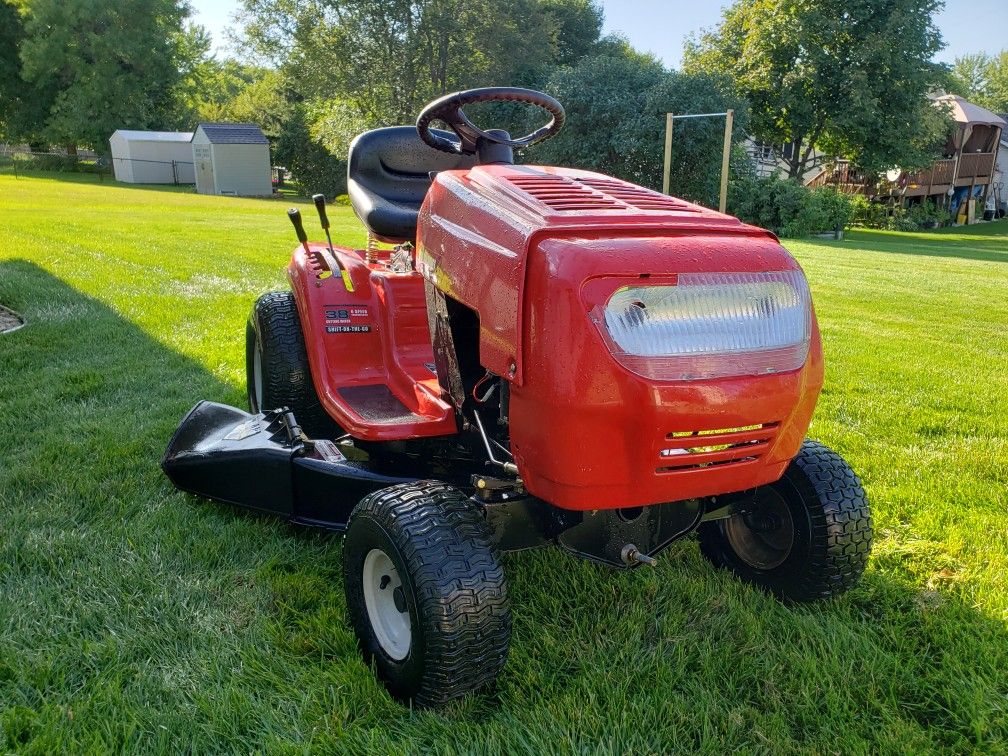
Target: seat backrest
[[388, 175]]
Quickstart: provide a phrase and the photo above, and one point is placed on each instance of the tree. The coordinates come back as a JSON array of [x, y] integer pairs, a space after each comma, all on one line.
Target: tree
[[997, 92], [229, 90], [844, 79], [11, 30], [263, 101], [350, 65], [199, 73], [313, 159], [616, 104], [968, 77], [577, 25], [21, 104], [98, 67], [982, 79], [390, 58]]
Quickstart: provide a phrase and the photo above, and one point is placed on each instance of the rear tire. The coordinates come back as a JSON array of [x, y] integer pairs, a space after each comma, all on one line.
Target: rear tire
[[806, 537], [276, 365], [425, 551]]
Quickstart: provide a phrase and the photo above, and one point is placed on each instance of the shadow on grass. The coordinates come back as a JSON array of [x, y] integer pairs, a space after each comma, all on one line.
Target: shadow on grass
[[988, 228], [137, 618], [76, 357], [990, 246]]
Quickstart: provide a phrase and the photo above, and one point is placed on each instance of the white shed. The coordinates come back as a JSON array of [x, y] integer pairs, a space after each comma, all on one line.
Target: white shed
[[232, 158], [152, 157]]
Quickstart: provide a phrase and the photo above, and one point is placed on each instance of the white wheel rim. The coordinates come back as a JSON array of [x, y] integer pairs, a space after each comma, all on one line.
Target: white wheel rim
[[257, 381], [382, 586]]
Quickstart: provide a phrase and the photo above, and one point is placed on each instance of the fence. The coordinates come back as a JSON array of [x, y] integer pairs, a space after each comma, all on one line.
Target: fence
[[20, 159], [145, 171]]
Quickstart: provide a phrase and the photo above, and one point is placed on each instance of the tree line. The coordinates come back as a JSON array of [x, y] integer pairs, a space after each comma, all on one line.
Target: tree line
[[826, 78]]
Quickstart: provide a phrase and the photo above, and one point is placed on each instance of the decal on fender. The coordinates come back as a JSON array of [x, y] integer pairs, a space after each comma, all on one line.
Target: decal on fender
[[342, 318]]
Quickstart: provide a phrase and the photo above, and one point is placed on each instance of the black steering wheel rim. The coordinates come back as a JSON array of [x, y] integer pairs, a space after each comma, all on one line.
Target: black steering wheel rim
[[449, 110]]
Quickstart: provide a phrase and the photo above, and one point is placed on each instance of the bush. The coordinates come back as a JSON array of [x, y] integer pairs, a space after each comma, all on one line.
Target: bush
[[900, 220], [922, 215], [54, 162], [788, 208], [927, 214], [866, 213], [48, 161], [826, 210], [311, 165]]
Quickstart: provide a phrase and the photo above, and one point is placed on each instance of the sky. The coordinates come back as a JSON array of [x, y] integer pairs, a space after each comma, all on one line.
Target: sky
[[660, 26]]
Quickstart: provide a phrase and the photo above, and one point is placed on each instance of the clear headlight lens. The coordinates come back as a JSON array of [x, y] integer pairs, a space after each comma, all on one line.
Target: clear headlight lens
[[711, 325]]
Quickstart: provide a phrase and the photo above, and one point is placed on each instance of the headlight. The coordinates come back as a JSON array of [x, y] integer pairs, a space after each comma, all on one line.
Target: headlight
[[711, 325]]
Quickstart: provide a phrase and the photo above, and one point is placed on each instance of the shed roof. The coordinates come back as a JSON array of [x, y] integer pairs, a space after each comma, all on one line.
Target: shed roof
[[154, 136], [233, 133], [966, 112]]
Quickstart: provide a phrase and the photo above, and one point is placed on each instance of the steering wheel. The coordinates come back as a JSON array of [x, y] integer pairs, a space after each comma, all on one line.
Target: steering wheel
[[449, 110]]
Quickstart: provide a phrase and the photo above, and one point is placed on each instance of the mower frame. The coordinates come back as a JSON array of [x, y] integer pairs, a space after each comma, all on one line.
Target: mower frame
[[265, 462]]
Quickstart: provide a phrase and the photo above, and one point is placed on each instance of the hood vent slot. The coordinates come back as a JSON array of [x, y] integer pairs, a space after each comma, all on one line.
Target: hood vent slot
[[637, 197], [566, 194], [560, 193]]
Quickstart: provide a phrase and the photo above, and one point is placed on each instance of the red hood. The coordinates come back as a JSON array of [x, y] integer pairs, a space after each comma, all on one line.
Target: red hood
[[478, 226]]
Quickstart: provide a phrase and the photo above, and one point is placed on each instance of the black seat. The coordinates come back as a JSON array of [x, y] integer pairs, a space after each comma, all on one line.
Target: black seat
[[388, 175]]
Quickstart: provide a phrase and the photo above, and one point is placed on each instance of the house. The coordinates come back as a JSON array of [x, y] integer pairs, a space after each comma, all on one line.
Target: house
[[152, 157], [997, 199], [773, 159], [232, 158], [966, 168]]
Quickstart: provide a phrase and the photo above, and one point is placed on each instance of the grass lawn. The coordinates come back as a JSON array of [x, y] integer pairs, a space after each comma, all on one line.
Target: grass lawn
[[133, 617]]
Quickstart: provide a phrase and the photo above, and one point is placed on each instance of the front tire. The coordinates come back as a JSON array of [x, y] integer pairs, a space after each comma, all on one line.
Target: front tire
[[276, 365], [804, 537], [425, 592]]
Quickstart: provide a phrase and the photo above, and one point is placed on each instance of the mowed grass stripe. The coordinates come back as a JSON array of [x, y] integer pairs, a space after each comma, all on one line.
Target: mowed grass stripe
[[137, 618]]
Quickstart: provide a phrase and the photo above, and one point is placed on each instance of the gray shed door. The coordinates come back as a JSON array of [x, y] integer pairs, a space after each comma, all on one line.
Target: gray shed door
[[204, 164]]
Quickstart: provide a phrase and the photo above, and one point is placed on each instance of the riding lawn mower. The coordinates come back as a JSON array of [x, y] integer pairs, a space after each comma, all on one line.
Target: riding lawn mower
[[522, 357]]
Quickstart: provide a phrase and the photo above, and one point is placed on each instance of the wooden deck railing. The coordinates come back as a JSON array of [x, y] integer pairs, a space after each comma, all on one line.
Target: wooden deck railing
[[976, 165], [840, 175], [940, 172]]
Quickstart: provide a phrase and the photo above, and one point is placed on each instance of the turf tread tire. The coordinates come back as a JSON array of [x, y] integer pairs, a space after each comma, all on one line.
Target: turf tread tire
[[460, 615], [839, 532], [286, 373]]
